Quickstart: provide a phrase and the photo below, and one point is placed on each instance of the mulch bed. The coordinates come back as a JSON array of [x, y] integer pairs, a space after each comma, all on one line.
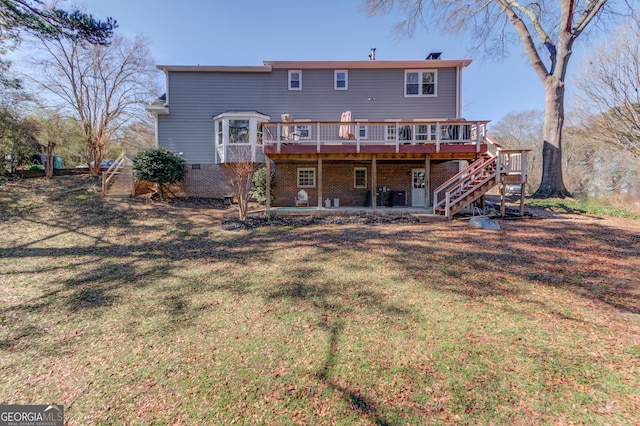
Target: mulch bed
[[364, 219]]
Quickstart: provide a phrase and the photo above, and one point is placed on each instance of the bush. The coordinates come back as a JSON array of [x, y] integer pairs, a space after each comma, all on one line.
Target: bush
[[159, 166], [260, 185]]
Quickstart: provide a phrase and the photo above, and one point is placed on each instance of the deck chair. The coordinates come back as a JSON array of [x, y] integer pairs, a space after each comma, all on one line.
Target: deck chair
[[302, 199]]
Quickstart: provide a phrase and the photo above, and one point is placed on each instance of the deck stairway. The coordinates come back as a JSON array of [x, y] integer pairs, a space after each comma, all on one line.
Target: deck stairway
[[118, 180], [505, 166]]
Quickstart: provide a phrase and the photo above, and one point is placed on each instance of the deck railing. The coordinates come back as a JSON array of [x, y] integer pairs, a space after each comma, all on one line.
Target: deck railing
[[108, 175], [484, 173], [362, 133]]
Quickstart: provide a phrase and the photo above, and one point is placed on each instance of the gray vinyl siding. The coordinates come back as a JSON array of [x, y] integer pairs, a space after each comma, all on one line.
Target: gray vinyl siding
[[195, 97]]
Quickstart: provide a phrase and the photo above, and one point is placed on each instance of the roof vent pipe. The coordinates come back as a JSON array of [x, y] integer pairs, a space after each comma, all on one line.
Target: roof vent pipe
[[372, 55]]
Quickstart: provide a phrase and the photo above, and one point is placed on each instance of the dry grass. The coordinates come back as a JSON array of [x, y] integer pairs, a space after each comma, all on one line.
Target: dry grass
[[135, 313]]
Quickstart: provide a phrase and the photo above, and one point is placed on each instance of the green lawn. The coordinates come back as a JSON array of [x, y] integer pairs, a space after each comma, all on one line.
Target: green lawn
[[139, 313]]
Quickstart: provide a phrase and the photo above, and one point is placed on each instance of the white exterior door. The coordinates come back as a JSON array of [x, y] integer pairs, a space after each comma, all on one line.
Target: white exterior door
[[417, 193]]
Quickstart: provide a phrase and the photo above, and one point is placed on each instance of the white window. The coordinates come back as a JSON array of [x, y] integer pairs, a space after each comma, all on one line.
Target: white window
[[360, 177], [306, 178], [295, 80], [238, 131], [420, 83], [219, 132], [341, 80], [422, 132], [363, 131], [302, 131], [391, 132], [405, 132]]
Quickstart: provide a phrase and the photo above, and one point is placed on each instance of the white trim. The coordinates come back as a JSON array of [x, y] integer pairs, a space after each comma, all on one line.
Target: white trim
[[421, 191], [221, 145], [157, 135], [242, 114], [459, 91], [355, 185], [335, 79], [306, 169], [419, 83], [289, 80], [166, 93]]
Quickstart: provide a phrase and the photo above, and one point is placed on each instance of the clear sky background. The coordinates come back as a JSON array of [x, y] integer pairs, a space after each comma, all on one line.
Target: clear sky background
[[247, 32]]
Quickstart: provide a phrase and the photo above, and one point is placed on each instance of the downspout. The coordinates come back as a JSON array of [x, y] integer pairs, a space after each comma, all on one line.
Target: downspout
[[157, 127], [458, 92]]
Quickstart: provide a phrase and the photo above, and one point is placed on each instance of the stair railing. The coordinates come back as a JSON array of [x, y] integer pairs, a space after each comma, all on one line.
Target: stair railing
[[111, 172], [473, 177]]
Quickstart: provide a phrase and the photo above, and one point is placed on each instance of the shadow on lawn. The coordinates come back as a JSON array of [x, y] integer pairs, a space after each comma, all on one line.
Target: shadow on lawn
[[357, 402], [474, 264]]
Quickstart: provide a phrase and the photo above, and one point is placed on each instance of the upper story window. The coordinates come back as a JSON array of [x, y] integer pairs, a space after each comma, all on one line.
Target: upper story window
[[341, 80], [295, 80], [420, 83]]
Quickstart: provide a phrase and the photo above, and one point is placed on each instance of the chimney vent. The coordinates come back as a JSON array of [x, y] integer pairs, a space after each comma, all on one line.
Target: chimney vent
[[372, 55]]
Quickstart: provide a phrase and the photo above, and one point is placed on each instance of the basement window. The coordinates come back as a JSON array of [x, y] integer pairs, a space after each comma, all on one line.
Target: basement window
[[306, 178], [360, 177]]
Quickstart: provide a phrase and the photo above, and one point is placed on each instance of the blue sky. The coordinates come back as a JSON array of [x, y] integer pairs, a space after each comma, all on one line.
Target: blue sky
[[246, 32]]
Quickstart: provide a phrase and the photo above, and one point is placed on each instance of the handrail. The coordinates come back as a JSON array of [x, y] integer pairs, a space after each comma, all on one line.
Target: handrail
[[463, 172], [457, 180], [459, 187], [111, 171], [492, 143], [416, 132]]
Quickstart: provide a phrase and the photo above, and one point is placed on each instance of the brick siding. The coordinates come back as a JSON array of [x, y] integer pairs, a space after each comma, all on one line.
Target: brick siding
[[209, 181], [338, 180]]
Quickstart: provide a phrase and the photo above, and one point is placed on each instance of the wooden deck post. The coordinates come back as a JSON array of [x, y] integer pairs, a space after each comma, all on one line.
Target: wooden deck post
[[374, 183], [319, 182], [427, 181], [267, 203], [523, 179]]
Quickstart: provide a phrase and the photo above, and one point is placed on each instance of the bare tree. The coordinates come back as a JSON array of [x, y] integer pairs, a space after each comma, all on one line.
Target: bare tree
[[240, 175], [523, 130], [106, 87], [136, 136], [547, 31], [599, 170], [609, 89]]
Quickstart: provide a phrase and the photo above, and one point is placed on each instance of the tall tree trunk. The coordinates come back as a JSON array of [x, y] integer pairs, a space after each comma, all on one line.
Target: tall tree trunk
[[552, 184]]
